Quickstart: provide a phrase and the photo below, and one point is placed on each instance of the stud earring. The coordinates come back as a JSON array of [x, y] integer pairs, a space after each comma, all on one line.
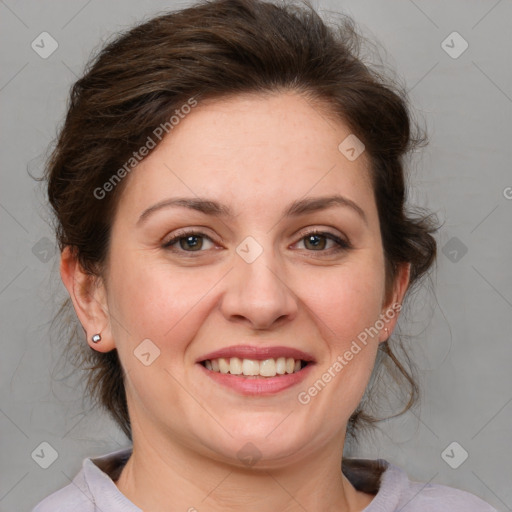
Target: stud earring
[[96, 338]]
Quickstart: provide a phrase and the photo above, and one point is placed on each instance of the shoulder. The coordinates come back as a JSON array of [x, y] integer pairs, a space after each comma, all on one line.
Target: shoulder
[[423, 497], [75, 496], [393, 490], [92, 488]]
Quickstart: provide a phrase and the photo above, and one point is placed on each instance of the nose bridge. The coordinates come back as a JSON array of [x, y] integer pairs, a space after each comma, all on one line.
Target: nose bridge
[[257, 289]]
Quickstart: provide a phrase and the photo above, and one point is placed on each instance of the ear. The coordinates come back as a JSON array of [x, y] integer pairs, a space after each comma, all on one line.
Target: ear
[[391, 308], [89, 299]]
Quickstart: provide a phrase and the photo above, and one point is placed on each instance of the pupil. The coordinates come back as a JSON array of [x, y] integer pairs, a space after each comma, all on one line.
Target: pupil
[[311, 240], [189, 240]]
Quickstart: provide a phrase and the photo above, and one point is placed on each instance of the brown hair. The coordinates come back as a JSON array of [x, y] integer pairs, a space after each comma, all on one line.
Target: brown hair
[[211, 50]]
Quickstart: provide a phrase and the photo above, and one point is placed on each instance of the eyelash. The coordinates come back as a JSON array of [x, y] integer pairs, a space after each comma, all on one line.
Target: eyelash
[[342, 245]]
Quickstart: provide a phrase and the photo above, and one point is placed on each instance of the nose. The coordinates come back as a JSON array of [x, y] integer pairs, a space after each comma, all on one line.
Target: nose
[[257, 293]]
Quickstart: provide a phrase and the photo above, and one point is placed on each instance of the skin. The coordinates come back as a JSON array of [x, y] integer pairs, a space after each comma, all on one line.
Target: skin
[[255, 154]]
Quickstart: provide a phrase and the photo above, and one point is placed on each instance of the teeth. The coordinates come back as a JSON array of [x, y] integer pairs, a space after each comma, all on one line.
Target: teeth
[[268, 368], [251, 367], [223, 365], [235, 366]]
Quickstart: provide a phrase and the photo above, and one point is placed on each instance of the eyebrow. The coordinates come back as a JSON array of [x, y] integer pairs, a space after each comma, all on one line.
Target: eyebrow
[[296, 208]]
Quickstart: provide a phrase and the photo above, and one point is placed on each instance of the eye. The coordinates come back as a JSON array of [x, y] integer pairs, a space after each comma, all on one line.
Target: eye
[[188, 241], [318, 240], [315, 241]]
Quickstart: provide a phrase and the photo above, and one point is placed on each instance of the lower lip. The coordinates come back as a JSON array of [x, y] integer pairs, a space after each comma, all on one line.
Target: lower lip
[[260, 385]]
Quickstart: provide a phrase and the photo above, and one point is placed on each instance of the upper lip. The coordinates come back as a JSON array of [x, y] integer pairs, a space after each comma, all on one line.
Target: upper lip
[[257, 352]]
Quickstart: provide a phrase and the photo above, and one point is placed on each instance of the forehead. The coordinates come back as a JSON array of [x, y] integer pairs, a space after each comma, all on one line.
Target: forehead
[[251, 150]]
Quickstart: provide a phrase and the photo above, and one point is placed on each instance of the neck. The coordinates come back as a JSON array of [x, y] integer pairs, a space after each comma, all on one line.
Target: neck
[[163, 474]]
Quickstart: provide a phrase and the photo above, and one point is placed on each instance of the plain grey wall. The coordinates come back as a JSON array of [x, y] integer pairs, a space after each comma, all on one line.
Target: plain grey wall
[[462, 343]]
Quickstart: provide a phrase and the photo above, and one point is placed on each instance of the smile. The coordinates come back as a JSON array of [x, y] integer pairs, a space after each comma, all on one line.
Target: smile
[[255, 368]]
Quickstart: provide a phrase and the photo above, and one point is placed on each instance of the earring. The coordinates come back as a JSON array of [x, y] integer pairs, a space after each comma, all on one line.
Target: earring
[[96, 338], [387, 331]]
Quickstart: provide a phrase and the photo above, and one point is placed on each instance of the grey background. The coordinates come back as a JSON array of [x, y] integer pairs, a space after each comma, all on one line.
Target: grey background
[[460, 333]]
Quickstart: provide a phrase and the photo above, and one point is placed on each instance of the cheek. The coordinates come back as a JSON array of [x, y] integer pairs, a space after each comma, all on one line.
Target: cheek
[[346, 307], [348, 301], [150, 300], [157, 301]]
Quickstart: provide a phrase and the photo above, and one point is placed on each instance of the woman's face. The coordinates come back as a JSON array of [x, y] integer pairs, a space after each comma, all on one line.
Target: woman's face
[[251, 275]]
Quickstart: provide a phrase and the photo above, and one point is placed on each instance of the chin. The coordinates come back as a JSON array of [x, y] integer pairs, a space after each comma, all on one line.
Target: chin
[[262, 447]]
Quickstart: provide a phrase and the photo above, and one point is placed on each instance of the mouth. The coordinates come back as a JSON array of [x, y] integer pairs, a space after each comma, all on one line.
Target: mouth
[[254, 368]]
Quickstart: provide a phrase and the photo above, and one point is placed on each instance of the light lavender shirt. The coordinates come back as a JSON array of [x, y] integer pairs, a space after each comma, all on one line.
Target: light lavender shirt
[[94, 490]]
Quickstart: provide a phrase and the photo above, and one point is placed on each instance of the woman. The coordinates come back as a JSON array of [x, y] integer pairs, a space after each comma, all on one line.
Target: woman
[[229, 192]]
